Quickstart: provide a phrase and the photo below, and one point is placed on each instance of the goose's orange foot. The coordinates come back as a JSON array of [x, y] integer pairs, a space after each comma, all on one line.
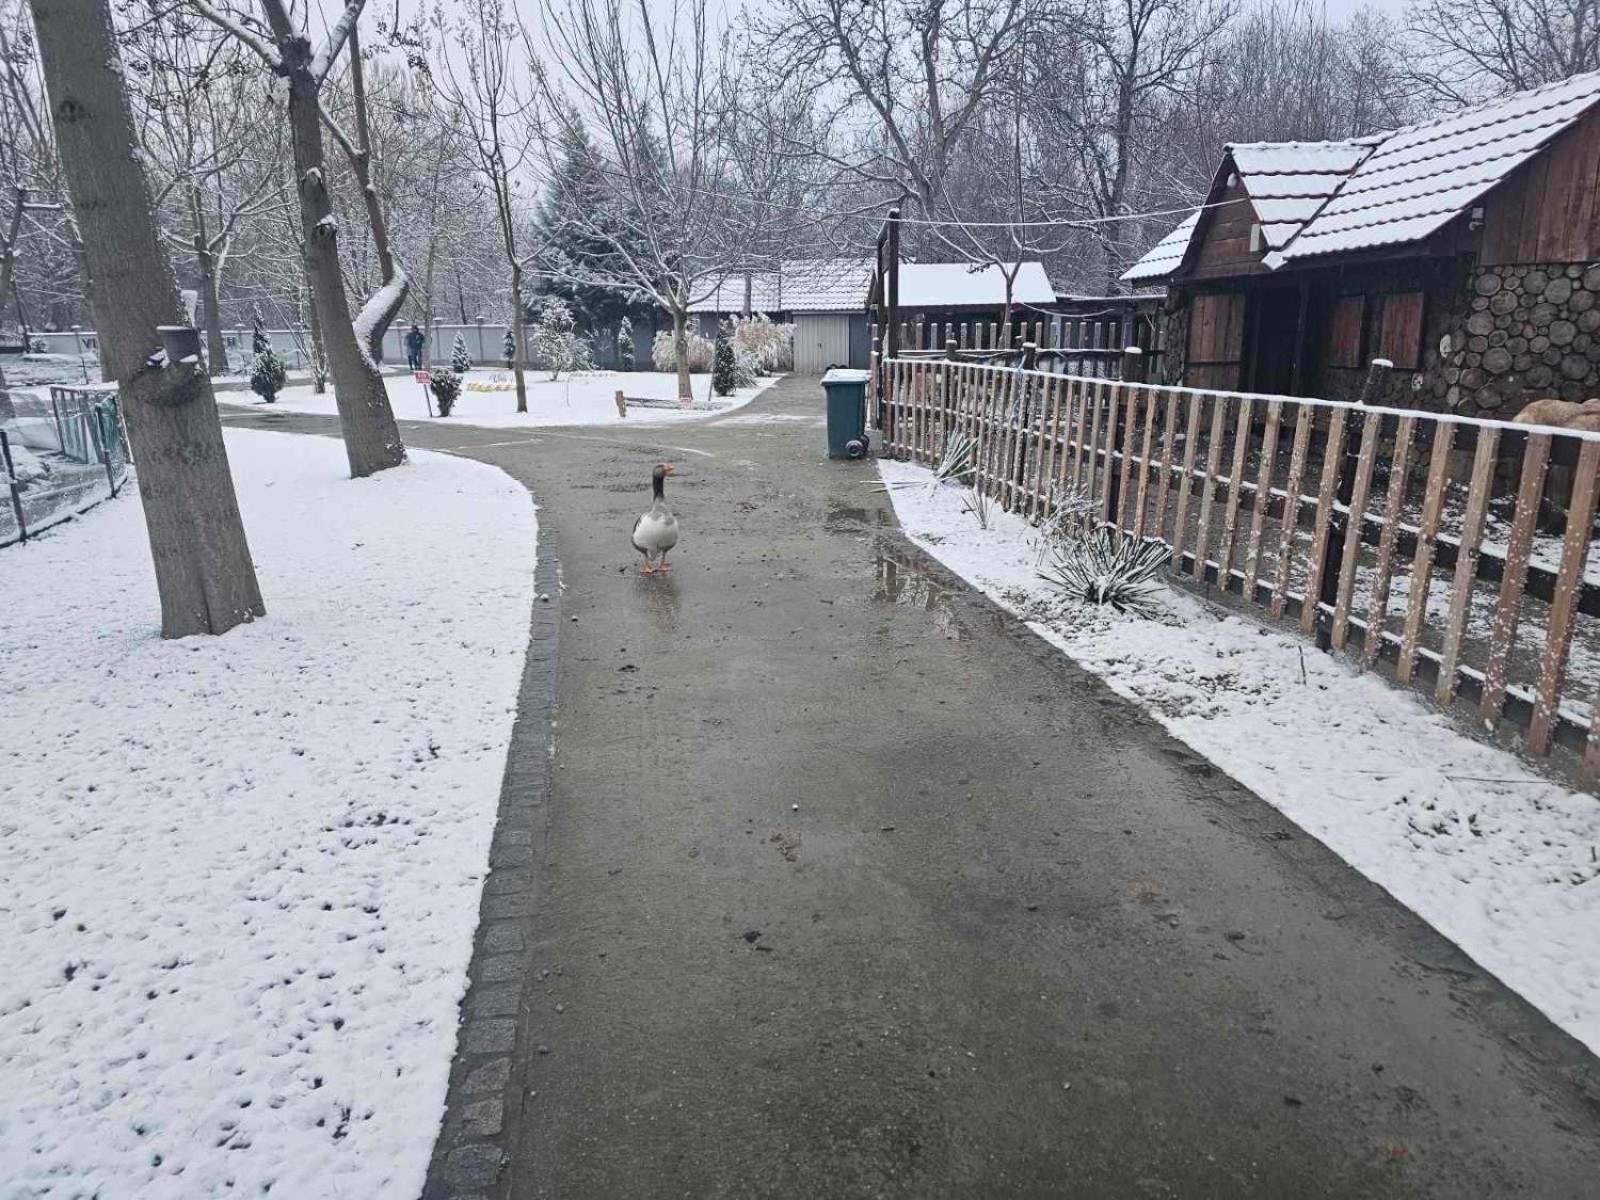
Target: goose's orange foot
[[646, 569]]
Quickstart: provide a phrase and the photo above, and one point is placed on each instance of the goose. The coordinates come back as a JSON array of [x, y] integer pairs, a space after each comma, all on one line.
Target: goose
[[656, 530]]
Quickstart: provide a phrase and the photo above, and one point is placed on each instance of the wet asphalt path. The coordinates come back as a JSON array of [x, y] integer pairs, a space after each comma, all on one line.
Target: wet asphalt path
[[851, 887]]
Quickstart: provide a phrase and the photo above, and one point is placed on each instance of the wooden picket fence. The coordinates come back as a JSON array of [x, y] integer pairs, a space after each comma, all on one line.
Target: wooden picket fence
[[1086, 344], [1453, 581]]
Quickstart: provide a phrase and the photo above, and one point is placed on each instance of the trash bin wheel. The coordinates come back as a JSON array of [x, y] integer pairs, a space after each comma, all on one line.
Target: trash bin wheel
[[856, 447]]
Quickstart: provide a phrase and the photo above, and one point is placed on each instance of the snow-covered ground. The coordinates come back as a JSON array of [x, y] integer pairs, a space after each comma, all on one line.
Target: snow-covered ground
[[1500, 860], [585, 399], [239, 876]]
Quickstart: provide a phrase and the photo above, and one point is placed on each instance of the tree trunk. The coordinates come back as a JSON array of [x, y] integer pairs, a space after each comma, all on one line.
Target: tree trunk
[[216, 348], [520, 334], [680, 350], [8, 266], [371, 439], [319, 352], [385, 304], [204, 574]]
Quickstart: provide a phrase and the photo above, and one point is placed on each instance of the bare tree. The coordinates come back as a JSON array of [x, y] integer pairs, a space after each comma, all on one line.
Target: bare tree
[[1475, 49], [478, 81], [384, 305], [915, 72], [371, 439], [657, 97], [204, 573]]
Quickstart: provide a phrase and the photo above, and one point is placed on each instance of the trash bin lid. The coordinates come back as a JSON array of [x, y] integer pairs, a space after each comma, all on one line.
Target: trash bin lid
[[842, 375]]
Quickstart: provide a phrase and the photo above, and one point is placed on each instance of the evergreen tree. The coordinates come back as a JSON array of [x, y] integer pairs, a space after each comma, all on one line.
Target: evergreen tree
[[446, 387], [625, 346], [268, 373], [581, 184], [722, 365], [460, 360], [260, 343], [508, 349]]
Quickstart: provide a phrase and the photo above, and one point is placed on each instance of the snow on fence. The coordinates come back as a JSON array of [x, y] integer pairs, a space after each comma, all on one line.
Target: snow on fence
[[1087, 344], [1470, 575]]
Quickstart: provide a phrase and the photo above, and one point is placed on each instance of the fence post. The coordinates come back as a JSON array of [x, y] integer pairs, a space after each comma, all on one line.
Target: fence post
[[952, 356], [875, 380], [1131, 371], [1030, 361], [11, 479], [1343, 525]]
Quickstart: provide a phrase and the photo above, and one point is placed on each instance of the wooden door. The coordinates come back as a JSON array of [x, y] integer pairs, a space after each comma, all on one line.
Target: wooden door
[[1216, 341]]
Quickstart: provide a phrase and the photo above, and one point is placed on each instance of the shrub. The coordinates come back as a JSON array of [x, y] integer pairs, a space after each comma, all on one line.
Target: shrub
[[460, 360], [722, 365], [773, 345], [508, 349], [746, 369], [625, 358], [666, 359], [267, 374], [1107, 567], [446, 386], [260, 343], [38, 346], [556, 346]]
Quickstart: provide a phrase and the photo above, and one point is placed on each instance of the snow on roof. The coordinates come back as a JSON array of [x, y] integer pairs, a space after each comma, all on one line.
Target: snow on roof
[[799, 285], [961, 285], [1163, 258], [1318, 198], [1420, 178]]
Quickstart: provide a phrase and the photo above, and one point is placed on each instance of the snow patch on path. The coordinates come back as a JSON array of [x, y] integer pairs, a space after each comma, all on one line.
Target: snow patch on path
[[239, 876], [1500, 860]]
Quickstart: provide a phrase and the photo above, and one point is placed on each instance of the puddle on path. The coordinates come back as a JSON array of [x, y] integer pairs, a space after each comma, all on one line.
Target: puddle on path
[[901, 580], [853, 520]]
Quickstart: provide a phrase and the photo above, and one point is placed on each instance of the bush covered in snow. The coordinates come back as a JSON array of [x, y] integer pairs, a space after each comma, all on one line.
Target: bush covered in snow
[[625, 356], [446, 386], [772, 344], [746, 369], [508, 349], [1107, 567], [666, 358], [460, 360], [555, 345], [267, 374]]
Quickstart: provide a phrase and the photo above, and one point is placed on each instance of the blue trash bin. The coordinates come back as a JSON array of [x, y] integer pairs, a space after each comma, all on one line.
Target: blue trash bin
[[847, 412]]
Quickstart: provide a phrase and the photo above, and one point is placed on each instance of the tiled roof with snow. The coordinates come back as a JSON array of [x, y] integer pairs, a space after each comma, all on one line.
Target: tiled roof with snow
[[1420, 178], [959, 285], [800, 285], [1318, 198], [1289, 181], [1163, 258]]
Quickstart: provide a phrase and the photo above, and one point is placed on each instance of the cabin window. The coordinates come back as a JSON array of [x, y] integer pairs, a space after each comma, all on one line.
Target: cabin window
[[1344, 331], [1401, 338]]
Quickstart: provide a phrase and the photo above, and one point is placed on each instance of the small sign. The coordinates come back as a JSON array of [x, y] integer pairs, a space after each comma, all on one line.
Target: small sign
[[424, 376]]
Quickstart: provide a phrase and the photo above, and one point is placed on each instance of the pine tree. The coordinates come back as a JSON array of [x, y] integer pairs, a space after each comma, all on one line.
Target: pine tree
[[508, 349], [268, 373], [260, 343], [625, 346], [460, 360], [722, 365]]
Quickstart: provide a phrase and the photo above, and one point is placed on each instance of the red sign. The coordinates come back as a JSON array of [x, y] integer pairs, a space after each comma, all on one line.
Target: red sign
[[423, 377]]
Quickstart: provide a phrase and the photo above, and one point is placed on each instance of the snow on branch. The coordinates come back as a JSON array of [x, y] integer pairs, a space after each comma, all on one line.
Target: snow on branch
[[231, 25]]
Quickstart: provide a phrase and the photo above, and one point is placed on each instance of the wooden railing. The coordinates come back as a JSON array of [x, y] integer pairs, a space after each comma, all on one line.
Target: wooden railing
[[1465, 574]]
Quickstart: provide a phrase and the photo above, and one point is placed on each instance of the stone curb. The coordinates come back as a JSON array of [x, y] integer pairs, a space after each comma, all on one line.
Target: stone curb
[[474, 1147]]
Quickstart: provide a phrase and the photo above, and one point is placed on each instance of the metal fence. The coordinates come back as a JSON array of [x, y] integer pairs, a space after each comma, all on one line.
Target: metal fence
[[59, 457], [1466, 572]]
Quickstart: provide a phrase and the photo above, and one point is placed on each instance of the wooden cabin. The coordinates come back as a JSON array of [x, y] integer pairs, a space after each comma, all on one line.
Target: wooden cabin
[[1465, 250]]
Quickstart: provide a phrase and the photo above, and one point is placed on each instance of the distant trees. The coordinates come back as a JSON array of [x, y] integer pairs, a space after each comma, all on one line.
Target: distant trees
[[1473, 49]]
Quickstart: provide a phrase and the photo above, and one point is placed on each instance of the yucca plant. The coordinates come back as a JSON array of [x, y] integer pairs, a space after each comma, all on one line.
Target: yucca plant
[[979, 505], [1107, 567], [955, 465], [1071, 513]]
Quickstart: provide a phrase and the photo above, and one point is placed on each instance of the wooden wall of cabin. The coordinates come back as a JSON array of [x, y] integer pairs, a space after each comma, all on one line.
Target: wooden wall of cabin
[[1224, 249], [1549, 210]]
